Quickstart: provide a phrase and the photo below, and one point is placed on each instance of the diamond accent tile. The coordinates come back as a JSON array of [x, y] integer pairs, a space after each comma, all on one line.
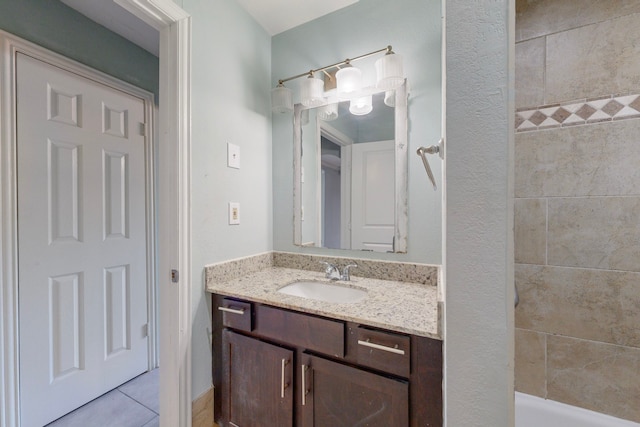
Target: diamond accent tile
[[635, 104], [613, 107], [586, 111], [560, 115], [537, 118], [579, 112]]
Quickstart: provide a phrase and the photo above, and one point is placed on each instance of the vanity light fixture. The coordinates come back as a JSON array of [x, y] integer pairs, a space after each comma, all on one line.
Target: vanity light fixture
[[390, 98], [281, 98], [389, 71], [328, 112], [361, 106], [349, 84], [349, 81], [311, 91]]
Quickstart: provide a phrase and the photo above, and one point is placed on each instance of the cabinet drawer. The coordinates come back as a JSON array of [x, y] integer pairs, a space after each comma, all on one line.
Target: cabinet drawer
[[236, 314], [302, 330], [386, 351]]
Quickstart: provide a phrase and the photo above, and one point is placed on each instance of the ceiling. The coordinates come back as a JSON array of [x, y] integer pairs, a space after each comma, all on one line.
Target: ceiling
[[275, 16]]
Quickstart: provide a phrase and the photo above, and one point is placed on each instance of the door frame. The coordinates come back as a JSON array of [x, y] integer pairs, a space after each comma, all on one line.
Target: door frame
[[173, 214]]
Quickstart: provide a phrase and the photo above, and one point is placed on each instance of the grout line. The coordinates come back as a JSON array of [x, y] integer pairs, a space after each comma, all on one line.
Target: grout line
[[579, 268], [595, 196], [138, 402]]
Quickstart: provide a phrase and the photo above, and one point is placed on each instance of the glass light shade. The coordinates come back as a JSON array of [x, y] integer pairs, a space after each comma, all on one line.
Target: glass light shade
[[311, 92], [389, 72], [328, 112], [390, 98], [361, 106], [281, 99], [349, 82]]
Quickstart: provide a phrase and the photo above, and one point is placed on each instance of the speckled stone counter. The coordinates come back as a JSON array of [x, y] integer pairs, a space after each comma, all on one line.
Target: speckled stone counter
[[395, 305]]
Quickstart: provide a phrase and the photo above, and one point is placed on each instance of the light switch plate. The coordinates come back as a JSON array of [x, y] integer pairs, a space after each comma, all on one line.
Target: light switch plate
[[233, 156], [234, 213]]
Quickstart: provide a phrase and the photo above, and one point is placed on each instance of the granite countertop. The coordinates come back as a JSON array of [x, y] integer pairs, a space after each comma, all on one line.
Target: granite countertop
[[398, 306]]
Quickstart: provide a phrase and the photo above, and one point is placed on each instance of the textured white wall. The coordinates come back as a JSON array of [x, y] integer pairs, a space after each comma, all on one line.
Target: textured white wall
[[478, 254]]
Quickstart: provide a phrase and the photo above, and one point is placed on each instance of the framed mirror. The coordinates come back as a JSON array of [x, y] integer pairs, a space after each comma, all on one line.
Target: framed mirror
[[350, 175]]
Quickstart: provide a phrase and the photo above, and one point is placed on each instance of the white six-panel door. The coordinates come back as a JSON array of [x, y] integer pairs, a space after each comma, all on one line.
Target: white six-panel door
[[373, 196], [81, 239]]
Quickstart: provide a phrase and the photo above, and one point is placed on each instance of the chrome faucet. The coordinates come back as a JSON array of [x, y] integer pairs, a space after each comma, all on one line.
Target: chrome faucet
[[346, 275], [332, 272]]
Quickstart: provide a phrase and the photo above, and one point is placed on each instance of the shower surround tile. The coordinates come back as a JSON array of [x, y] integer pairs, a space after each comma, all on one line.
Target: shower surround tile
[[596, 232], [530, 362], [535, 18], [596, 305], [530, 231], [591, 160], [530, 73], [596, 376], [593, 60]]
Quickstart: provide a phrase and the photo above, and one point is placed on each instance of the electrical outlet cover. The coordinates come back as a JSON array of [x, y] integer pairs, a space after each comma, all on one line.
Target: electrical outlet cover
[[234, 213]]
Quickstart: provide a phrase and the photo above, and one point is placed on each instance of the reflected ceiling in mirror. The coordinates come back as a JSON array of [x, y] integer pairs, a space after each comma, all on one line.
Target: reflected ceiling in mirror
[[350, 175]]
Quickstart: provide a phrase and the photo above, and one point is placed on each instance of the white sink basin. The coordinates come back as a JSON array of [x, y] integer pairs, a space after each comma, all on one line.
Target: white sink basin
[[324, 291]]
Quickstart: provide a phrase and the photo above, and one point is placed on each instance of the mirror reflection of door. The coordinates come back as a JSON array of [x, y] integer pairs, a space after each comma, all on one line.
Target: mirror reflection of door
[[373, 196], [351, 186], [331, 203]]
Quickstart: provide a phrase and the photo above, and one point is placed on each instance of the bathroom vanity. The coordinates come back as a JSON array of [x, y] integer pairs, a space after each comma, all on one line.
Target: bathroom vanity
[[281, 360]]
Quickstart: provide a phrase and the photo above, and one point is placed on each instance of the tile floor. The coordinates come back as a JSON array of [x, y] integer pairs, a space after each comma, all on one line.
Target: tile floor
[[133, 404]]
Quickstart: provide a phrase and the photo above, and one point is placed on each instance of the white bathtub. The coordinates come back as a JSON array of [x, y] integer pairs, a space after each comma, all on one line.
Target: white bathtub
[[534, 411]]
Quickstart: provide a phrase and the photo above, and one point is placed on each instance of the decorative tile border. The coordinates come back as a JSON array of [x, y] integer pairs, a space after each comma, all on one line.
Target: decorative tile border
[[579, 112]]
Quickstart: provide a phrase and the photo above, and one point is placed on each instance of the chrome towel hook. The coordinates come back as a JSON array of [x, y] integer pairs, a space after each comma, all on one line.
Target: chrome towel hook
[[433, 149]]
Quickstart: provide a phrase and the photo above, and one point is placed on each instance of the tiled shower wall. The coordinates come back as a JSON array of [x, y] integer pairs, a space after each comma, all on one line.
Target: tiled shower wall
[[577, 207]]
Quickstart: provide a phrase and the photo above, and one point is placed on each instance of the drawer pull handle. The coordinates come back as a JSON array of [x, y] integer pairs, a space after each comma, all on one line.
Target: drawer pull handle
[[282, 383], [231, 310], [367, 343], [304, 384]]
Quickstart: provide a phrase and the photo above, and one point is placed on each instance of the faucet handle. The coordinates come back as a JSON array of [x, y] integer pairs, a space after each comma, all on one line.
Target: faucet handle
[[346, 272], [330, 270]]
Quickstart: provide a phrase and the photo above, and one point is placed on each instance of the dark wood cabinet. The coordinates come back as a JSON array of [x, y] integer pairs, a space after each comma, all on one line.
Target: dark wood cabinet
[[278, 367], [256, 382], [338, 395]]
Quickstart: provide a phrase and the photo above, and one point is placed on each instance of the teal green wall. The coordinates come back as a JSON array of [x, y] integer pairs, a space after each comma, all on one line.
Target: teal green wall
[[57, 27], [230, 100], [413, 28]]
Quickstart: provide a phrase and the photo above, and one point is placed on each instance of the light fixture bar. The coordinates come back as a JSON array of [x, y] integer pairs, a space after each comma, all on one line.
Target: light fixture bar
[[387, 49]]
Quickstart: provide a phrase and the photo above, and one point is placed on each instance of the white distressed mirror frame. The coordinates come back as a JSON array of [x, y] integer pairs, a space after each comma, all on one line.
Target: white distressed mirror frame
[[401, 172]]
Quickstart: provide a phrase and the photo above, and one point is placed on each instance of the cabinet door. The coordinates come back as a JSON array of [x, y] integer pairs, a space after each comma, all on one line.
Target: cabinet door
[[257, 382], [337, 395]]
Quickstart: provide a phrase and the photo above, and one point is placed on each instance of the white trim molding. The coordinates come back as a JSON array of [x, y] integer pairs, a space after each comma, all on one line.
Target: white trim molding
[[9, 329], [174, 214]]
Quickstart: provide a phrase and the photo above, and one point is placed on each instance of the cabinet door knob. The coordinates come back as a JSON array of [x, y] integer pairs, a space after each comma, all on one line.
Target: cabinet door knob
[[380, 347], [231, 310], [283, 385]]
